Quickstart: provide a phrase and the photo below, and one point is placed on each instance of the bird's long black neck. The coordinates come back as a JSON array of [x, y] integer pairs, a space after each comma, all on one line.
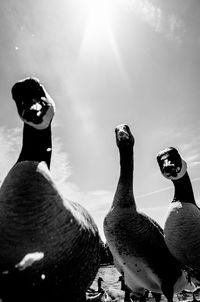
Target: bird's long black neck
[[124, 193], [36, 145], [183, 190]]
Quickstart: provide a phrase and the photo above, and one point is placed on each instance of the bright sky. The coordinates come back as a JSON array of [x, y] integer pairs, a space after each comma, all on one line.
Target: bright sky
[[106, 62]]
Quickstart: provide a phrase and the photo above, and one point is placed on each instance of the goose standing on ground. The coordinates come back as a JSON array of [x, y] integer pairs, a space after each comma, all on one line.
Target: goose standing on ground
[[126, 290], [135, 240], [49, 246], [182, 225]]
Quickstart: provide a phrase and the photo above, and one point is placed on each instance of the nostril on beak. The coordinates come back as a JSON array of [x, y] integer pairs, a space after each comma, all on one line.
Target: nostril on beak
[[122, 135], [169, 169]]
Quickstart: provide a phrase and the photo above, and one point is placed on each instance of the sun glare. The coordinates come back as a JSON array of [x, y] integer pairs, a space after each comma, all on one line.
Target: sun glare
[[97, 11], [98, 17], [99, 39]]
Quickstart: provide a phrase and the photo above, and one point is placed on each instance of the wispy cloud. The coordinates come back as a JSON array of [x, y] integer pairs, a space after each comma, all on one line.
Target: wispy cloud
[[168, 24], [60, 167], [154, 192], [191, 147], [10, 140], [195, 163]]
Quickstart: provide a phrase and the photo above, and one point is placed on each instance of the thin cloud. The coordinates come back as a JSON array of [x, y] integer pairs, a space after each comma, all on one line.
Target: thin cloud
[[191, 148], [60, 167], [154, 192], [194, 164], [168, 24], [10, 141]]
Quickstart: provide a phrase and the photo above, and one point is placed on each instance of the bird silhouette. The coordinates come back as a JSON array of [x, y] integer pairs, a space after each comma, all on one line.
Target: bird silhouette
[[49, 246]]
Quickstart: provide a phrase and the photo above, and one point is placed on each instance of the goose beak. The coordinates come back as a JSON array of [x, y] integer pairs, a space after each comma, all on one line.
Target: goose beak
[[169, 169], [122, 132], [35, 113], [122, 135]]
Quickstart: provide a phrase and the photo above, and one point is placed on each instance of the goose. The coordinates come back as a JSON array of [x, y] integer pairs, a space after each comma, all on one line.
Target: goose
[[182, 224], [135, 240], [49, 246]]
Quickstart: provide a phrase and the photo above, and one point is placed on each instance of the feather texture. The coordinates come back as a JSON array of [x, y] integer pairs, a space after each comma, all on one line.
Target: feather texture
[[36, 220], [182, 225], [137, 241]]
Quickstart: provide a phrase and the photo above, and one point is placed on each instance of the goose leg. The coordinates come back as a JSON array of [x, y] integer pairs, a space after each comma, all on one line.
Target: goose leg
[[143, 298], [194, 297], [168, 292], [83, 299], [157, 296], [100, 280], [127, 294]]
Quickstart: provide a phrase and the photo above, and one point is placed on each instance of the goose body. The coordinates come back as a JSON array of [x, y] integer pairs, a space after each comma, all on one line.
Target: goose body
[[182, 229], [49, 246], [135, 240], [182, 225]]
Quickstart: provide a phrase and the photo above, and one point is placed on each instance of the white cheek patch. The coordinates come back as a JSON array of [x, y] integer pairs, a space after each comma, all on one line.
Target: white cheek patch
[[46, 118], [179, 174]]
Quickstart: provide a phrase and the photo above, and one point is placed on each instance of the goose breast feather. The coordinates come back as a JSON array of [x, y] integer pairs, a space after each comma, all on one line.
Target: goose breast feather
[[135, 240], [182, 227], [43, 221]]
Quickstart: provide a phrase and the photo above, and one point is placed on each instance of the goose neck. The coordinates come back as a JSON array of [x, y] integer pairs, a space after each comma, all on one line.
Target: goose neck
[[124, 193], [126, 166], [183, 190], [36, 145]]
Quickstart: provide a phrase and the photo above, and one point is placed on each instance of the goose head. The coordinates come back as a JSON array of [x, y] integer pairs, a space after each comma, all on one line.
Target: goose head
[[124, 137], [171, 164], [34, 105]]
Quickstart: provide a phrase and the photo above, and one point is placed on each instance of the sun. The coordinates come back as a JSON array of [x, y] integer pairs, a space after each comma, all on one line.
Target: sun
[[98, 17], [97, 11], [99, 43]]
